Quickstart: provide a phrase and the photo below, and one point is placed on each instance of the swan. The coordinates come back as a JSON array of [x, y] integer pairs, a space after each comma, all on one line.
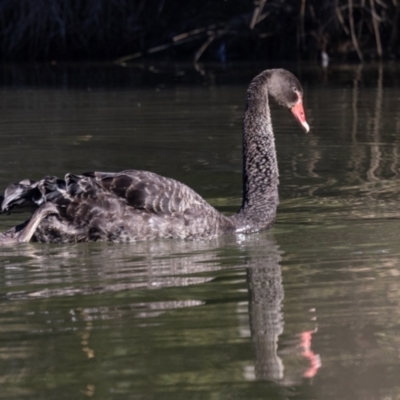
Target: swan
[[135, 205]]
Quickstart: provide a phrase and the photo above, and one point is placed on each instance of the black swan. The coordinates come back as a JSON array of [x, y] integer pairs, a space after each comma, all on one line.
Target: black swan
[[138, 205]]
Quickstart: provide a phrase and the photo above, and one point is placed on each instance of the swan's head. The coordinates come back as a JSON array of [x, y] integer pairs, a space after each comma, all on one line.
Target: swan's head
[[286, 90]]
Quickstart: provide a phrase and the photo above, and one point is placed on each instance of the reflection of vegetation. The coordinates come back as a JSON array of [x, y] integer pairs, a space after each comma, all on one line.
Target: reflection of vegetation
[[353, 152], [351, 275], [93, 29]]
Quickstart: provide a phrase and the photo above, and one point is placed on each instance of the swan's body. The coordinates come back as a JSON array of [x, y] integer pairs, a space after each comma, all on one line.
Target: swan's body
[[140, 205]]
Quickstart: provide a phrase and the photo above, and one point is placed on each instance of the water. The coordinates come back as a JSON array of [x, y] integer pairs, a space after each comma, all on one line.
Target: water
[[307, 310]]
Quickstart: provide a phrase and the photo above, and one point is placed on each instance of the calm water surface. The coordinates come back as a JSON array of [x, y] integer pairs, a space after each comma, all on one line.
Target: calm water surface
[[308, 310]]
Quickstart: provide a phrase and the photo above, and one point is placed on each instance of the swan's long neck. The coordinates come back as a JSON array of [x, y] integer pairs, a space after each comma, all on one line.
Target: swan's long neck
[[260, 167]]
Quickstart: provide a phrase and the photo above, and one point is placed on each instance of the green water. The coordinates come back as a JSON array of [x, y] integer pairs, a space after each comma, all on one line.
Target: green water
[[307, 310]]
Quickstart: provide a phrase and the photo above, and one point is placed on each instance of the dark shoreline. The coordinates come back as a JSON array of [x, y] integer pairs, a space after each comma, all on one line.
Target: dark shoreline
[[160, 75], [179, 30]]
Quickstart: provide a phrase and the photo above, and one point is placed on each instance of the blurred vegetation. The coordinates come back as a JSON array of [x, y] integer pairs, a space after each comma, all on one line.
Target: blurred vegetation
[[189, 30]]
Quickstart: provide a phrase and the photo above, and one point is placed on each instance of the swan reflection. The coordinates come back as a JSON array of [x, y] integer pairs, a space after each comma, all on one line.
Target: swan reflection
[[266, 294], [133, 273]]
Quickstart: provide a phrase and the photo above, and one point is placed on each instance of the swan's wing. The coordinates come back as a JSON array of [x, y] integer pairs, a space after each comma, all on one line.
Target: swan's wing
[[141, 190], [151, 192], [29, 194], [24, 194]]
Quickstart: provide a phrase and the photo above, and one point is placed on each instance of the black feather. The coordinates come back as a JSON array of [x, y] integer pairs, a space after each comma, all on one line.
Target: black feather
[[139, 205]]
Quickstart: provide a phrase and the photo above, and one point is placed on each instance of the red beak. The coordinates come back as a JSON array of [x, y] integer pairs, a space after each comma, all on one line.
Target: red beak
[[298, 112]]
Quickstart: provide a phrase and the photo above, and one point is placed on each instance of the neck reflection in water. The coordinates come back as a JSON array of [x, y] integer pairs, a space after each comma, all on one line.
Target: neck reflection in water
[[142, 282], [266, 294]]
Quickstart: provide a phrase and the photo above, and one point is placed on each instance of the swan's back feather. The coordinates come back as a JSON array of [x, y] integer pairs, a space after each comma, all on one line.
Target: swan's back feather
[[148, 191], [127, 206]]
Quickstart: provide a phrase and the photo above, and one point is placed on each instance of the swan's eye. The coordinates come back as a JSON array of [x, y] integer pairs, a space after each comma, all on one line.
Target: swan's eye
[[297, 92]]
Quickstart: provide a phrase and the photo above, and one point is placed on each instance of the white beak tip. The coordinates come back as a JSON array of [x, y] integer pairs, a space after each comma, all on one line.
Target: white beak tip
[[306, 126]]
